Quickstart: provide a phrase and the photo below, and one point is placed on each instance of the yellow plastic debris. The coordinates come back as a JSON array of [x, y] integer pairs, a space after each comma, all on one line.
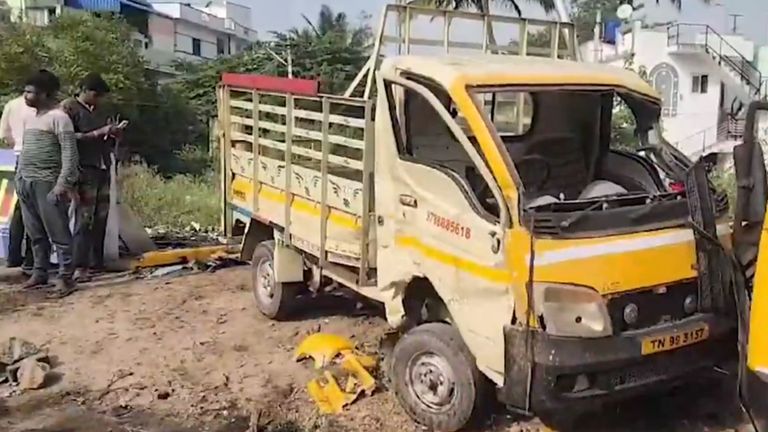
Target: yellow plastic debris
[[351, 384], [328, 396], [322, 348], [368, 362], [353, 365]]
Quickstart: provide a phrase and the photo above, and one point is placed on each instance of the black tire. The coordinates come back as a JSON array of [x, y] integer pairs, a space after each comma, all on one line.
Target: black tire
[[445, 401], [278, 300]]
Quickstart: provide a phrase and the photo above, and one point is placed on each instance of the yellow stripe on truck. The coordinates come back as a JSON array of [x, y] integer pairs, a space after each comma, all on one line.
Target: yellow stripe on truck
[[476, 269], [311, 208], [336, 217]]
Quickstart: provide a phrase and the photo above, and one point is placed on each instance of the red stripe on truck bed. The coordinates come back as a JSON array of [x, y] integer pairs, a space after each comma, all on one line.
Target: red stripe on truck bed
[[302, 87]]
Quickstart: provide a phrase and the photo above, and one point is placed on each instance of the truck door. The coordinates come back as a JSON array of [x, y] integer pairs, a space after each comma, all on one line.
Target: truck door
[[441, 216], [748, 240]]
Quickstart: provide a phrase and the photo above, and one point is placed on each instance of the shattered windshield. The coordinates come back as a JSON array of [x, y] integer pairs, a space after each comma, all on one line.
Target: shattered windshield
[[586, 150]]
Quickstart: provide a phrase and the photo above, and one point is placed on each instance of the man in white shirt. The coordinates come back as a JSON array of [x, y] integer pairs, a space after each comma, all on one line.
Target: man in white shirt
[[16, 113]]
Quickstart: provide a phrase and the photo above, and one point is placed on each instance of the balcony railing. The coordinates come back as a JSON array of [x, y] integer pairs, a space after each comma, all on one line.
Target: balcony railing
[[705, 38]]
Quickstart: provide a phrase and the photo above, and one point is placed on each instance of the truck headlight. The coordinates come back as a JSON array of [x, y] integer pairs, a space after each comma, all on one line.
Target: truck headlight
[[569, 310]]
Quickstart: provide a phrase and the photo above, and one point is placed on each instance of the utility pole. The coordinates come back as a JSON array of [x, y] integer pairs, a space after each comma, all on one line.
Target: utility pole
[[735, 18]]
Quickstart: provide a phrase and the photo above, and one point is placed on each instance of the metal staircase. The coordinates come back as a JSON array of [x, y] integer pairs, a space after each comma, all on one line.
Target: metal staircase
[[736, 70]]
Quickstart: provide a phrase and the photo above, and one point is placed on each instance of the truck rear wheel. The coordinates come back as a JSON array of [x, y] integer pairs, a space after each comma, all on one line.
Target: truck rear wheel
[[435, 378], [274, 300]]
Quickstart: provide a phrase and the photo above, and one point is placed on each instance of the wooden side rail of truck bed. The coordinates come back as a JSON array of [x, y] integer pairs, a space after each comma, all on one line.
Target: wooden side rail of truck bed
[[302, 162]]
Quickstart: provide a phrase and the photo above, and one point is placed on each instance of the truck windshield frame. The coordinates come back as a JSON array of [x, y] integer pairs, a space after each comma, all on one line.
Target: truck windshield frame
[[571, 178]]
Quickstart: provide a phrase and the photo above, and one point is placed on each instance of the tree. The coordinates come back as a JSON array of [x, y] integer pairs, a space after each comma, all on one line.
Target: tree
[[330, 49], [75, 44]]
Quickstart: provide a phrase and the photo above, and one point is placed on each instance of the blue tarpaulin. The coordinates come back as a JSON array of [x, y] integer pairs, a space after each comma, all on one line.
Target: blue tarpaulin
[[107, 5], [611, 27]]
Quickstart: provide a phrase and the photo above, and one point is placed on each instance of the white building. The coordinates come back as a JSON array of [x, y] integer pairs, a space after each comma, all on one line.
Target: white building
[[165, 31], [203, 33], [705, 80]]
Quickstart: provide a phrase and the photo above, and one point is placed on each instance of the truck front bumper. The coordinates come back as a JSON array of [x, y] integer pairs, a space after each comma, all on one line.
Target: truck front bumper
[[568, 372]]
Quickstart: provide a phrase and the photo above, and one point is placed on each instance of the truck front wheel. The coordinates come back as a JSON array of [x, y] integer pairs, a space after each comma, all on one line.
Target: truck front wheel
[[435, 378], [274, 300]]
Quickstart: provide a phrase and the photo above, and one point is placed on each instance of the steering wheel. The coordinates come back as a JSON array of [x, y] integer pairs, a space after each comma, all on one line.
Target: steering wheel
[[534, 165], [485, 195], [533, 178]]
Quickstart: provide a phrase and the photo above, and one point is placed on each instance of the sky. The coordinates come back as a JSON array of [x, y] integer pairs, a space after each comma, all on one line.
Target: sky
[[282, 14]]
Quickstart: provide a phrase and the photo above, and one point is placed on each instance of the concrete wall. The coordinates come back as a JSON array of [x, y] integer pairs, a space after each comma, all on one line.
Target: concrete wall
[[202, 24], [171, 9], [162, 31], [186, 33], [239, 13], [696, 119]]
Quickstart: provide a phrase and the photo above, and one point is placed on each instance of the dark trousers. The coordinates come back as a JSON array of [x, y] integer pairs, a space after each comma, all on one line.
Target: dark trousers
[[45, 217], [91, 217], [17, 236]]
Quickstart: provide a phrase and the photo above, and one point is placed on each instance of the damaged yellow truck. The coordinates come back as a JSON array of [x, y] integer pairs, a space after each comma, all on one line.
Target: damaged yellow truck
[[480, 198]]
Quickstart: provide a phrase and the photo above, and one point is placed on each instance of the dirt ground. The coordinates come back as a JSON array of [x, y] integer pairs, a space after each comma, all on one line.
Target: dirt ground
[[190, 354]]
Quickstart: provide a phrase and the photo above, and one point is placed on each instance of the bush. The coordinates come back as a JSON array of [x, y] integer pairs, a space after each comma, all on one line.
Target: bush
[[162, 121], [175, 203], [724, 180]]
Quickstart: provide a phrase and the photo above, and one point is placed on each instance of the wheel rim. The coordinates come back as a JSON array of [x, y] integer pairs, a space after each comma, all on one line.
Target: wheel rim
[[265, 282], [431, 381]]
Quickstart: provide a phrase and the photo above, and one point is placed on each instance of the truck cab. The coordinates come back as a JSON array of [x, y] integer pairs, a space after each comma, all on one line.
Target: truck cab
[[483, 200], [531, 221]]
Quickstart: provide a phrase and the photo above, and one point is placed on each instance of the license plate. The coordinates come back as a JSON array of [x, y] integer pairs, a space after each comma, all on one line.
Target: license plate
[[674, 340]]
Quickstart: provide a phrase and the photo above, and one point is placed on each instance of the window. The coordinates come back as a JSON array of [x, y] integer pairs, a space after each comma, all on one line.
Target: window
[[221, 46], [510, 111], [700, 84], [196, 47], [424, 137]]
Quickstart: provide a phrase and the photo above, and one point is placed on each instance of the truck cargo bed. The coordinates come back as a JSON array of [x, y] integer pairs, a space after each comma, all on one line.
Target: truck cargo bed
[[302, 163]]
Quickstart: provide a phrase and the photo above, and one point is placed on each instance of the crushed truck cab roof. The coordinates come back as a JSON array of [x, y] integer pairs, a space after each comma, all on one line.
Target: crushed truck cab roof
[[480, 70]]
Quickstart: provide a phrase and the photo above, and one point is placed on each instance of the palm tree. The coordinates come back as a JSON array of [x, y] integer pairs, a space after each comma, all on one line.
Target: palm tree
[[330, 48], [333, 24]]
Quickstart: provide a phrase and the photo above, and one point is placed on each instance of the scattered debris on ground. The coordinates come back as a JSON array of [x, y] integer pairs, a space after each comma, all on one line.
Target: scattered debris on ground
[[23, 365], [329, 351], [190, 354]]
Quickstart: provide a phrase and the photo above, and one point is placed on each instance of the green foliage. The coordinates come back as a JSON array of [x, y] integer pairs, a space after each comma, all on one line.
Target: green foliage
[[175, 203], [331, 49], [72, 46], [623, 127], [161, 122], [724, 180]]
